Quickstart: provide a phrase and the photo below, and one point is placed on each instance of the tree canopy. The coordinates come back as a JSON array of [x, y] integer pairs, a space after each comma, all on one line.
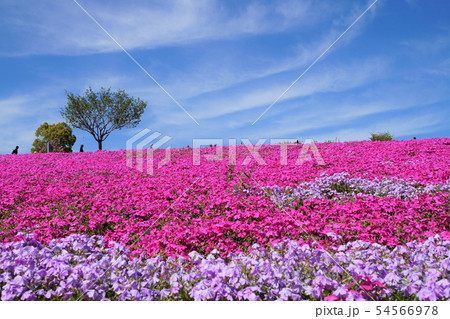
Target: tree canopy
[[100, 113], [60, 135], [383, 136]]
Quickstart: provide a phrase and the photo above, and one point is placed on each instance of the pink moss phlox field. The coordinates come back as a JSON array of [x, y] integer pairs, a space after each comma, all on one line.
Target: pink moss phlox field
[[217, 205]]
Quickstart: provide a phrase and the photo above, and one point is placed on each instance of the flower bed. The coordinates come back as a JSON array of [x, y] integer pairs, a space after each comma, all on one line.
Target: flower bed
[[342, 186], [81, 267], [388, 193]]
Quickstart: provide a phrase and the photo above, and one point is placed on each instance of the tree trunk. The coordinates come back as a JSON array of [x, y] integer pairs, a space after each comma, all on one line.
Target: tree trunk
[[99, 145]]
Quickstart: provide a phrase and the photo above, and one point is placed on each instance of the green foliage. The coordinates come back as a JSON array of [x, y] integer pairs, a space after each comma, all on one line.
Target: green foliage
[[385, 136], [288, 142], [100, 113], [336, 140], [46, 133]]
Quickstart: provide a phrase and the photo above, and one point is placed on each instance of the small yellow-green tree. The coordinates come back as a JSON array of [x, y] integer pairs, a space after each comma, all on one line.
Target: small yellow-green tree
[[59, 134]]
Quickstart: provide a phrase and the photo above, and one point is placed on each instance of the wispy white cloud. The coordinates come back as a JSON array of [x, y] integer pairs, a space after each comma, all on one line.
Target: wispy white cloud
[[329, 111], [223, 70], [400, 126], [430, 45], [328, 78], [20, 116], [50, 27], [13, 108]]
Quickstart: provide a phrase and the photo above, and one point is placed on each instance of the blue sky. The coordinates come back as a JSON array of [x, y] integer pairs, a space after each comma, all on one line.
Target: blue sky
[[225, 62]]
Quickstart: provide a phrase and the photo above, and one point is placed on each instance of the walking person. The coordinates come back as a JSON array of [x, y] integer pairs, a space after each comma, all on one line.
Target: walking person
[[15, 151]]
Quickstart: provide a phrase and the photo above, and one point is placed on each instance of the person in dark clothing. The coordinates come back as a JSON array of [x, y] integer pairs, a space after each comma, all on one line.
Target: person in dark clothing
[[81, 148], [16, 150]]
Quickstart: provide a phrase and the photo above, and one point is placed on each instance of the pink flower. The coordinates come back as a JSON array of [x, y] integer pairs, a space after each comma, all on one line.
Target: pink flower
[[331, 298]]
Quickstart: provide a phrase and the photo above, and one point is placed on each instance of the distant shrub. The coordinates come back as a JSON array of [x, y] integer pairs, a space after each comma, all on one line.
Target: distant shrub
[[336, 140], [385, 136], [288, 142]]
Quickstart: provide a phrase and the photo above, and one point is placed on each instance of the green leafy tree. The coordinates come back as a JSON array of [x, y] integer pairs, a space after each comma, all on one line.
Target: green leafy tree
[[100, 113], [385, 136], [59, 135]]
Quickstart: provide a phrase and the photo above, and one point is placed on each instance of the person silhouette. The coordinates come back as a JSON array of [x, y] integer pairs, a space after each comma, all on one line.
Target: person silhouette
[[15, 151], [81, 148]]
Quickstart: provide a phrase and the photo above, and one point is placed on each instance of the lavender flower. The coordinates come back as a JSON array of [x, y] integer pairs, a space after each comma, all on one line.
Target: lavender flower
[[341, 185], [82, 267]]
